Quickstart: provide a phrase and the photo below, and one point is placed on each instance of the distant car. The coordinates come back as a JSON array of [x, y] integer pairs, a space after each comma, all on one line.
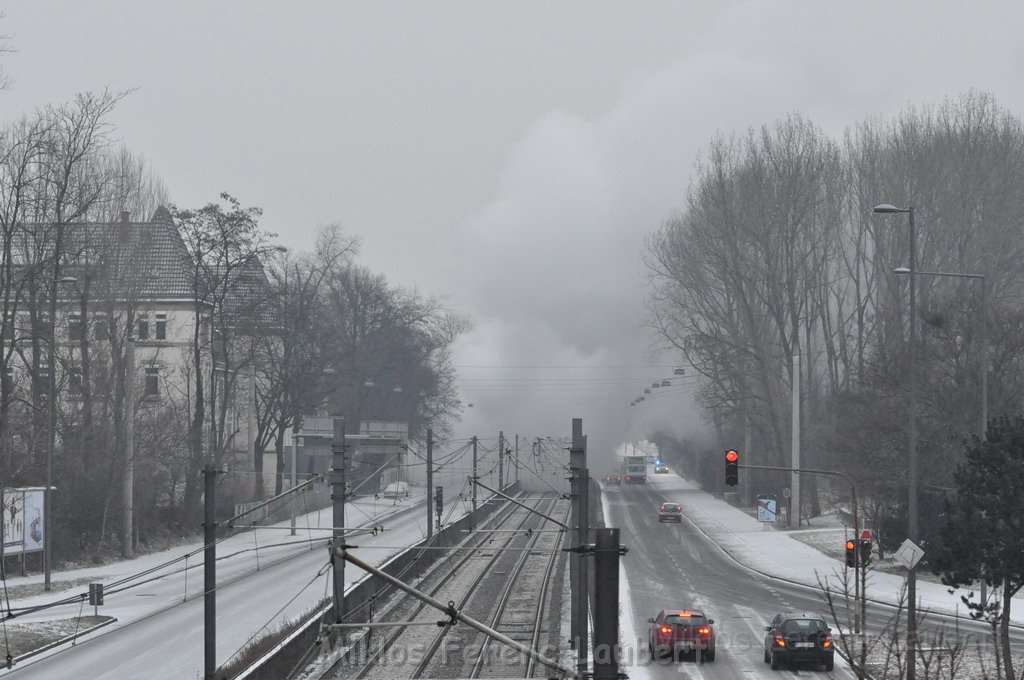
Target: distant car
[[613, 479], [661, 469], [799, 637], [396, 490], [670, 512], [682, 631]]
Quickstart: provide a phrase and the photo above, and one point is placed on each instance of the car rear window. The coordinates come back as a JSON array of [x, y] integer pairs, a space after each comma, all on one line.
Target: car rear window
[[670, 507], [693, 620], [803, 626]]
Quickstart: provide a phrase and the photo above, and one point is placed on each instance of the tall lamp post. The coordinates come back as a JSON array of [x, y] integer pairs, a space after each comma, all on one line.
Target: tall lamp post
[[887, 209], [51, 392]]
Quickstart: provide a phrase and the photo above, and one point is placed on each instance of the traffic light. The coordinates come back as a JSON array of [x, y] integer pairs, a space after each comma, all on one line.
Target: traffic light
[[732, 468], [851, 553], [864, 549], [438, 501]]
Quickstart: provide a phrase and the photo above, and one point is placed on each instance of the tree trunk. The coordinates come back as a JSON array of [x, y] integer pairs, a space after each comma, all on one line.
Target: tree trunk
[[279, 449], [257, 464], [1004, 631]]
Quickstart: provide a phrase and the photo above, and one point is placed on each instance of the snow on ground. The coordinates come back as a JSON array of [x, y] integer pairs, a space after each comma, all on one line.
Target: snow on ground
[[779, 555], [161, 621]]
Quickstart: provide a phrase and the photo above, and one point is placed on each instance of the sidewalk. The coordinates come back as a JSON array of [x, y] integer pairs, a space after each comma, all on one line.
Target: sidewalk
[[778, 555]]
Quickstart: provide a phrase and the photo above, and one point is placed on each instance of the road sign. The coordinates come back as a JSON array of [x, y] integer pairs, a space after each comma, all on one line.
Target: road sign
[[909, 554], [866, 534], [767, 508], [787, 493]]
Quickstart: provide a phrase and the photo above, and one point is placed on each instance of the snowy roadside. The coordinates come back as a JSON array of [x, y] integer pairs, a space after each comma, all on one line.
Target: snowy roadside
[[779, 555], [170, 585]]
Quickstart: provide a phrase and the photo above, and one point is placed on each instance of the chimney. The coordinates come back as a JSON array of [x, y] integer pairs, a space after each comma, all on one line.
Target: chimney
[[124, 216]]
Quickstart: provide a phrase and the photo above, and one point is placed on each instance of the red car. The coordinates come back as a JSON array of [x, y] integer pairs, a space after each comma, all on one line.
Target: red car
[[670, 512], [682, 631]]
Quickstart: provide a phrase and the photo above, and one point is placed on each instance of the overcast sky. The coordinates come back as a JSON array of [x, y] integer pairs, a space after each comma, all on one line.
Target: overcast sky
[[512, 157]]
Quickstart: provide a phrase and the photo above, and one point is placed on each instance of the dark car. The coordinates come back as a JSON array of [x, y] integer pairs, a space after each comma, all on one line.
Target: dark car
[[661, 469], [799, 637], [670, 512], [613, 479], [682, 631]]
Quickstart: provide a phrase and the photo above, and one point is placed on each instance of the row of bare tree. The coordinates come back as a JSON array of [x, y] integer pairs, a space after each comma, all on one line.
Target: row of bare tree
[[778, 253], [271, 332]]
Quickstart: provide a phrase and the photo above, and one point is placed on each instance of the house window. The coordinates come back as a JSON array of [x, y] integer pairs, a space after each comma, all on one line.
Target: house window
[[75, 380], [161, 326], [152, 388], [75, 327], [101, 329], [44, 381], [142, 328]]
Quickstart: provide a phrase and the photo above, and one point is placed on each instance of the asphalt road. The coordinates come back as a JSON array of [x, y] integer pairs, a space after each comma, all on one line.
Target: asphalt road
[[160, 637], [674, 565]]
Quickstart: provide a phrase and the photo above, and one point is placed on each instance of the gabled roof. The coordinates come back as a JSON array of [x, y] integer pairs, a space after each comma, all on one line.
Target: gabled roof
[[151, 254]]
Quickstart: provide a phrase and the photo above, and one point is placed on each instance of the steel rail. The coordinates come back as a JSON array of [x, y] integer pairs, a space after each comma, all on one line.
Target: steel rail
[[374, 656], [499, 612], [538, 620], [439, 638]]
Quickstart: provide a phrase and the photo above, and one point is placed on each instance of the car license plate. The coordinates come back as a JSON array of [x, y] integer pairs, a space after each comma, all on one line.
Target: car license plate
[[803, 645], [685, 644]]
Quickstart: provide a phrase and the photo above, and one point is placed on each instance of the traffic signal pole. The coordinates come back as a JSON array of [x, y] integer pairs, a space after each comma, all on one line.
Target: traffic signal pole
[[858, 590]]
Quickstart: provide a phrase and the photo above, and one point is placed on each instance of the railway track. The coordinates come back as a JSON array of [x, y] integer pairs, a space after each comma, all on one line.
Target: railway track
[[521, 610], [406, 651]]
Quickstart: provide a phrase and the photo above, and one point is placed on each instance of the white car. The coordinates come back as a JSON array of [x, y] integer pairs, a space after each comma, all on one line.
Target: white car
[[396, 490]]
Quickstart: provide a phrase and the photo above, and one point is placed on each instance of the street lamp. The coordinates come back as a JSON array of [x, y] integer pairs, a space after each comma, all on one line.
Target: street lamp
[[888, 209], [51, 391]]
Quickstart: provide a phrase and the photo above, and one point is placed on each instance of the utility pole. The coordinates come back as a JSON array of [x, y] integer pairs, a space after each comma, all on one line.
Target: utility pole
[[209, 573], [475, 477], [501, 461], [338, 491], [606, 603], [580, 481], [128, 469], [430, 483], [795, 462], [517, 458]]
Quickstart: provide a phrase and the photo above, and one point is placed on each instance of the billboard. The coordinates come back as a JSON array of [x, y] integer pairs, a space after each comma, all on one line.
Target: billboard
[[22, 525]]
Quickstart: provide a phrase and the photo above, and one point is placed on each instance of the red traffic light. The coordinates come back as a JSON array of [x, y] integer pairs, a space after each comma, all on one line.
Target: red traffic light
[[732, 456], [850, 545]]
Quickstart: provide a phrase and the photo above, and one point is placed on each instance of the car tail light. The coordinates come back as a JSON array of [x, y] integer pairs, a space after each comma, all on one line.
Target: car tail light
[[704, 630], [665, 630], [827, 642], [628, 478], [779, 641]]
